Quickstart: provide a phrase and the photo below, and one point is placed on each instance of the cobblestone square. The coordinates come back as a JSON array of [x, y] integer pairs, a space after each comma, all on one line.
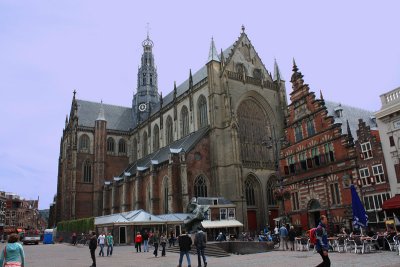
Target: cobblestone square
[[60, 255]]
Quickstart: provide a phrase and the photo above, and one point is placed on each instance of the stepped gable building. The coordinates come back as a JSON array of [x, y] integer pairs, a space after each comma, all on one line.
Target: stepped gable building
[[373, 180], [318, 161], [203, 139]]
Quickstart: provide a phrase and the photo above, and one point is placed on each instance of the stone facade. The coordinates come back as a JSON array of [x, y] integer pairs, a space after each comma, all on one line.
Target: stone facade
[[318, 162], [205, 138], [388, 120], [21, 213]]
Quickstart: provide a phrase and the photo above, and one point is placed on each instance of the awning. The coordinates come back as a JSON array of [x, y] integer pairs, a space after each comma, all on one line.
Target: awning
[[392, 203], [221, 224]]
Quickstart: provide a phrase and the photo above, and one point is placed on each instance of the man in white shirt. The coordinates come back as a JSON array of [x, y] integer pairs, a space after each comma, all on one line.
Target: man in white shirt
[[101, 242]]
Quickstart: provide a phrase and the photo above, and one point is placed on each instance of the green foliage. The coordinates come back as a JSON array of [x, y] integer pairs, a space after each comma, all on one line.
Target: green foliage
[[79, 226]]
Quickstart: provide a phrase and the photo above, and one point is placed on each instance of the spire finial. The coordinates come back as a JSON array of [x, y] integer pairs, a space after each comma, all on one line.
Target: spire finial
[[190, 79], [101, 116], [148, 30], [295, 69], [349, 135], [74, 92], [212, 54], [277, 72], [320, 95], [243, 28]]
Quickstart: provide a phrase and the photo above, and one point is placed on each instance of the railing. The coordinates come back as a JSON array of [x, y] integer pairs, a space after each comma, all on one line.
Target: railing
[[235, 76], [391, 97]]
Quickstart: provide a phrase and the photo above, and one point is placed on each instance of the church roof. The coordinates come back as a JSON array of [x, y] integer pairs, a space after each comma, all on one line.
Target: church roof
[[162, 155], [118, 118], [184, 86], [342, 113]]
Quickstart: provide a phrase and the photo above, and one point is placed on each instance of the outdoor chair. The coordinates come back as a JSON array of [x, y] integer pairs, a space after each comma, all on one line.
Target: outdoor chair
[[305, 243], [391, 243], [396, 240], [341, 244], [357, 244], [349, 244]]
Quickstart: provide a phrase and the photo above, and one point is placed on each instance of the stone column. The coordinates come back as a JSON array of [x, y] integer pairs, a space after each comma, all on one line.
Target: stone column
[[184, 180]]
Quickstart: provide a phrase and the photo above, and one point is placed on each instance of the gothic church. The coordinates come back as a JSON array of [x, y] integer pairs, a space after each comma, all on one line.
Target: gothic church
[[206, 138]]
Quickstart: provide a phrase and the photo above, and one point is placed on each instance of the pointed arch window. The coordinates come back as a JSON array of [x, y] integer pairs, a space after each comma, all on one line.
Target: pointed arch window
[[87, 172], [165, 193], [151, 79], [144, 78], [271, 185], [84, 142], [110, 145], [184, 121], [134, 149], [122, 146], [200, 187], [156, 138], [145, 144], [168, 131], [202, 111], [250, 196]]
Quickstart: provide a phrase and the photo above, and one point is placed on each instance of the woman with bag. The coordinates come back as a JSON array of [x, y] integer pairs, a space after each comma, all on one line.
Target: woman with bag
[[13, 254]]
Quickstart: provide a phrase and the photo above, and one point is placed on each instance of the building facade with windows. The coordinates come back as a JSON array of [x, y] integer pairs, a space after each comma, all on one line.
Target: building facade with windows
[[318, 160], [203, 139], [373, 180], [388, 120]]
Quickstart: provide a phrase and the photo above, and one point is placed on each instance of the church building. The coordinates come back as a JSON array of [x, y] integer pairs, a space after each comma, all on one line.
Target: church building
[[206, 138]]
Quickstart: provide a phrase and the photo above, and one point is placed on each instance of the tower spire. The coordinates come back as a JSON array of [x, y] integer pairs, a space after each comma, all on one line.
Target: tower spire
[[101, 116], [190, 79], [212, 54], [296, 73], [350, 138], [277, 74], [320, 95]]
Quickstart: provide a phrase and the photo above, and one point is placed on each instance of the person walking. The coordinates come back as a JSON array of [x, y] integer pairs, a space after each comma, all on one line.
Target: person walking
[[13, 254], [138, 242], [200, 241], [92, 248], [185, 243], [163, 243], [322, 244], [145, 237], [156, 241], [292, 236], [101, 239], [283, 233], [110, 244]]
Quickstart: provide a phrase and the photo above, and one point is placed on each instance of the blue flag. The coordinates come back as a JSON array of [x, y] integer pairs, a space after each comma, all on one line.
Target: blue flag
[[360, 217]]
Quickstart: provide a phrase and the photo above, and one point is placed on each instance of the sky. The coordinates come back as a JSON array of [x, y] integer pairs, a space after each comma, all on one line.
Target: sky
[[348, 49]]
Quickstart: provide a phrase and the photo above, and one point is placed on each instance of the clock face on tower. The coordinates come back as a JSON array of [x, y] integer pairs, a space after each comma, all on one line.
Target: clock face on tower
[[142, 107]]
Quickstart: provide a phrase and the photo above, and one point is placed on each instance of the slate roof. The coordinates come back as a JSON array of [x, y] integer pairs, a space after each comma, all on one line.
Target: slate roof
[[117, 117], [162, 155], [352, 114]]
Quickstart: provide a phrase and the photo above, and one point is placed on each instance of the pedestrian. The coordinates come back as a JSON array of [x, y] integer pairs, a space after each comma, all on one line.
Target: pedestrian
[[101, 239], [156, 241], [171, 239], [322, 244], [13, 254], [283, 233], [92, 248], [110, 244], [185, 243], [292, 236], [138, 242], [200, 241], [73, 238], [145, 237], [276, 230], [163, 242]]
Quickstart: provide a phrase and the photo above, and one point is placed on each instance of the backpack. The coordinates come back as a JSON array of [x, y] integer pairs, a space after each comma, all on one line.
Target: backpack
[[313, 236]]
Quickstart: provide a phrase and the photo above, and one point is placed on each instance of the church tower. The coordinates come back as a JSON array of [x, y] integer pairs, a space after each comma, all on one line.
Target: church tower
[[146, 97]]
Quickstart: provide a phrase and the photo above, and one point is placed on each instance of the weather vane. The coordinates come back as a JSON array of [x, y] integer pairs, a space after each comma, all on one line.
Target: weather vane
[[148, 29]]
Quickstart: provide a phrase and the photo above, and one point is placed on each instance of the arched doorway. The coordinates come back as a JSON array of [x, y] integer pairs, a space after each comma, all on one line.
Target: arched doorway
[[314, 213], [253, 201]]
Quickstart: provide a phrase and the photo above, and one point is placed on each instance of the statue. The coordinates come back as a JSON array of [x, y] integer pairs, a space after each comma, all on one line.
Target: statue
[[196, 216]]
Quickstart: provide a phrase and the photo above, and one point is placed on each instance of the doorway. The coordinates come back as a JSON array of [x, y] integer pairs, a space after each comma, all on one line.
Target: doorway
[[314, 208], [252, 220], [122, 234]]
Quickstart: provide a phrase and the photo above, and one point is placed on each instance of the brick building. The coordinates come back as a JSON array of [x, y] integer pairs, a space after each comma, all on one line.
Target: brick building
[[203, 139], [21, 213], [318, 161], [2, 212], [373, 179]]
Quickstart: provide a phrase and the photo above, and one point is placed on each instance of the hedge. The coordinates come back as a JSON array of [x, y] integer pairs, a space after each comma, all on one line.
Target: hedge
[[81, 225]]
